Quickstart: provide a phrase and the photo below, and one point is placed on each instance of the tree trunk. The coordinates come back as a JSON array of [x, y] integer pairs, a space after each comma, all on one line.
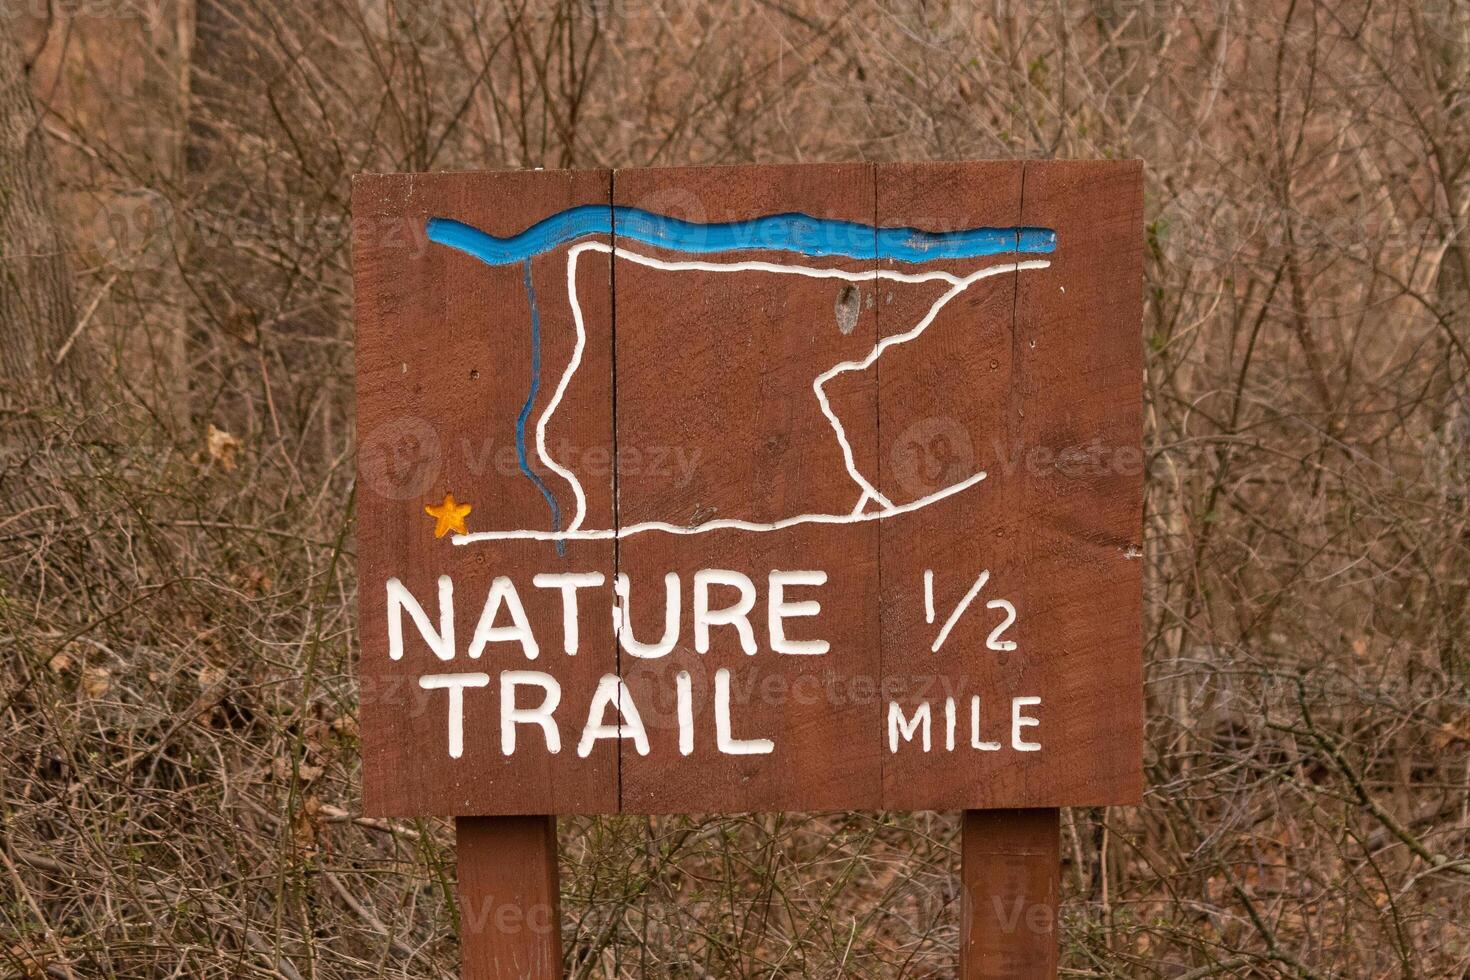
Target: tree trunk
[[37, 306]]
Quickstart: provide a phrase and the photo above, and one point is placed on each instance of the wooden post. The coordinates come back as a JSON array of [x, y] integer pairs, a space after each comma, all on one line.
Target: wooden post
[[509, 915], [1010, 863]]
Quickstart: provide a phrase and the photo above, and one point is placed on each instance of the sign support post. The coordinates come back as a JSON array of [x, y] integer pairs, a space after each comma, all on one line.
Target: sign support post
[[1010, 867], [1010, 863], [509, 913]]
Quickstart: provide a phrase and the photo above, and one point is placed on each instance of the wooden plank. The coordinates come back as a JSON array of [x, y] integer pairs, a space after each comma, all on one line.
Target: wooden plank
[[444, 370], [509, 902], [1010, 866], [1024, 583], [1078, 378], [944, 401], [719, 366]]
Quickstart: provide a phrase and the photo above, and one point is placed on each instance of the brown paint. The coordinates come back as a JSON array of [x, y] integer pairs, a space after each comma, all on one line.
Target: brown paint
[[509, 905], [1010, 866], [1034, 377], [745, 361], [443, 365]]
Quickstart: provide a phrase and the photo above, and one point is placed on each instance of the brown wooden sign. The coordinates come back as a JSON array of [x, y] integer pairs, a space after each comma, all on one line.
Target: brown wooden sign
[[756, 488]]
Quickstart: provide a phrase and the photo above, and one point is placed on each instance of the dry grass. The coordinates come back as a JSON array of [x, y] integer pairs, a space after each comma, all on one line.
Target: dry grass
[[179, 774]]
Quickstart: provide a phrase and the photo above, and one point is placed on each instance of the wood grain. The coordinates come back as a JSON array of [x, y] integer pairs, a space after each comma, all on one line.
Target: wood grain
[[1010, 866], [1078, 374], [509, 902], [1035, 378], [945, 407], [443, 371], [720, 366], [694, 402]]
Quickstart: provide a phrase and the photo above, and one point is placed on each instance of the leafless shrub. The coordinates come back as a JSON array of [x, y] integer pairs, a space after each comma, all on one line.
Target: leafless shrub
[[179, 774]]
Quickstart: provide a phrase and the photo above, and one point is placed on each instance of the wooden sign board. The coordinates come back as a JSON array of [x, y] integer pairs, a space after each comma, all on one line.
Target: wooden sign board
[[750, 489]]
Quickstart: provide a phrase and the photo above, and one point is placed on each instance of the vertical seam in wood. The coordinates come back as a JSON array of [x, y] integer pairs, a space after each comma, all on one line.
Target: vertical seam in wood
[[1016, 296], [1017, 400], [878, 470], [612, 287]]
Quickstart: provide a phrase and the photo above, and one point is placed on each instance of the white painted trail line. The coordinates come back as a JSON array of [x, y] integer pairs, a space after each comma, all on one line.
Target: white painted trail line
[[729, 524], [868, 492]]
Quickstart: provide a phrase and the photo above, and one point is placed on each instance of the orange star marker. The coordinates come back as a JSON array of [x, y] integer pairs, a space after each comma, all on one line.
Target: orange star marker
[[448, 516]]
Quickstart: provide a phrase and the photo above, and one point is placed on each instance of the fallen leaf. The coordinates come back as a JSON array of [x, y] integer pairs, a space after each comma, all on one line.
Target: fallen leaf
[[221, 447], [1450, 732], [307, 824], [256, 580], [96, 681]]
